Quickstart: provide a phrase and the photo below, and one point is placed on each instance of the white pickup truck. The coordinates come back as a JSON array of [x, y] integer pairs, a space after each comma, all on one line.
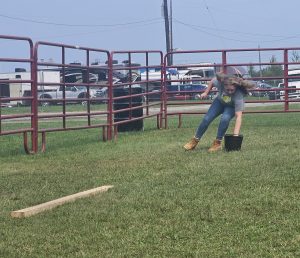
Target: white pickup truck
[[73, 94], [293, 91], [293, 83]]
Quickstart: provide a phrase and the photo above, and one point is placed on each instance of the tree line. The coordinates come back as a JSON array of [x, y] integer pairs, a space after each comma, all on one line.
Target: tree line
[[272, 70]]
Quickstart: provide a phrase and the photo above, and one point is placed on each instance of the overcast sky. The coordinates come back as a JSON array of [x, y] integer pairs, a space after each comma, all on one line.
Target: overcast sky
[[138, 24]]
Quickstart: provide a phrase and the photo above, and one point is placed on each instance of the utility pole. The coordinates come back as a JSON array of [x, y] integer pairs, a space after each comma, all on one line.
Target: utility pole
[[171, 31], [167, 31], [259, 59]]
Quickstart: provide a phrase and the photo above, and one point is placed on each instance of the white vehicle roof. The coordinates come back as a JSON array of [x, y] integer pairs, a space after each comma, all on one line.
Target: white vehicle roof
[[294, 72]]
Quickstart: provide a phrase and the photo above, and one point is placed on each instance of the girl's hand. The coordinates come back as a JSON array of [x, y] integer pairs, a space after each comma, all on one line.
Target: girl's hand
[[203, 95]]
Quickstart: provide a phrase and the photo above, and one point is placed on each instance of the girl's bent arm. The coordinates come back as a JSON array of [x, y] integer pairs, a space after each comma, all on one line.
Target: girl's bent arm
[[208, 89]]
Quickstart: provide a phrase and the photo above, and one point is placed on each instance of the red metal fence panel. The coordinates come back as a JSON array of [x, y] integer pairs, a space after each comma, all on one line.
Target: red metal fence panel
[[78, 89], [139, 94], [16, 74], [100, 91], [276, 71]]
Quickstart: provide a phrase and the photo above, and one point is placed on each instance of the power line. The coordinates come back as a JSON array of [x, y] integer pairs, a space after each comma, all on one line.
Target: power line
[[231, 31], [213, 20], [197, 27], [77, 25], [156, 20], [94, 31]]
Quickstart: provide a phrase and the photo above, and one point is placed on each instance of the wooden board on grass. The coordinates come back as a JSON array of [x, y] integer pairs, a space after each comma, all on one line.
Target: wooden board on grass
[[27, 212]]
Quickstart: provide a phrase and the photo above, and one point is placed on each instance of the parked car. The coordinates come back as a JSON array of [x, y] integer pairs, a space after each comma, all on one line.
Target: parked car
[[185, 91], [101, 95], [73, 94], [261, 90], [180, 92], [273, 95], [5, 103], [279, 93]]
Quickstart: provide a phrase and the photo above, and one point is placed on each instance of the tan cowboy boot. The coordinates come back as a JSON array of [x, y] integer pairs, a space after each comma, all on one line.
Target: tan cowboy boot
[[216, 146], [191, 144]]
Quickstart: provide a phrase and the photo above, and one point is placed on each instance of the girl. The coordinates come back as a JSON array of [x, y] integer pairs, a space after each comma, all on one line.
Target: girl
[[229, 102]]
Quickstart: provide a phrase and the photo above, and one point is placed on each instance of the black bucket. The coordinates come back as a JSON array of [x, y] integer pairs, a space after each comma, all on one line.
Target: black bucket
[[233, 143]]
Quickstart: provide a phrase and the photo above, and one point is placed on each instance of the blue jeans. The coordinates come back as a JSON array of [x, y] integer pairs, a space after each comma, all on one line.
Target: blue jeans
[[216, 108]]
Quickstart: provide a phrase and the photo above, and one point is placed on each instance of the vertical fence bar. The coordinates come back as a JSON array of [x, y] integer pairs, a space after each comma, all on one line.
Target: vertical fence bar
[[87, 78], [224, 61], [285, 79], [34, 102], [164, 94], [110, 97]]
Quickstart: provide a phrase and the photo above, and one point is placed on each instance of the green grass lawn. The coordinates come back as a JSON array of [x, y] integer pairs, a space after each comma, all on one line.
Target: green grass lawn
[[165, 202], [53, 108]]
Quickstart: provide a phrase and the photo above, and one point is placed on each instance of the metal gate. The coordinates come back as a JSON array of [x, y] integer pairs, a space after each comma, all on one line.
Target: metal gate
[[19, 73], [59, 93], [139, 94], [276, 71], [71, 94]]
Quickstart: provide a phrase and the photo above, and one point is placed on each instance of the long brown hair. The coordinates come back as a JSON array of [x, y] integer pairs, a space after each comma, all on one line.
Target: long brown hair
[[240, 83]]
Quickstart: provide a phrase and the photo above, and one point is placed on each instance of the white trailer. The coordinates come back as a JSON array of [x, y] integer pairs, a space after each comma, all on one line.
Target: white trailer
[[292, 83], [17, 89]]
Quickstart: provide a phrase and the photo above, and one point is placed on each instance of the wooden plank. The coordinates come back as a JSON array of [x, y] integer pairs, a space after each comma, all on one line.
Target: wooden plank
[[27, 212]]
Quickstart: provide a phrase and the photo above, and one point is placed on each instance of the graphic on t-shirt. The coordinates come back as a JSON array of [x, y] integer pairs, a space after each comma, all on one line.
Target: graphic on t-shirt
[[226, 99]]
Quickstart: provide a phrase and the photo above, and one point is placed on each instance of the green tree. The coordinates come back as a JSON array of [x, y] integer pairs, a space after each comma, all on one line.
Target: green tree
[[295, 56], [272, 70], [252, 72]]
